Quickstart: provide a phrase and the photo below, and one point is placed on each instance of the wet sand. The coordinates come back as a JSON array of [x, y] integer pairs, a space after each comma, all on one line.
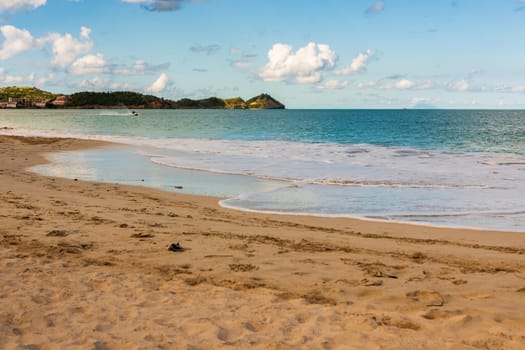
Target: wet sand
[[86, 266]]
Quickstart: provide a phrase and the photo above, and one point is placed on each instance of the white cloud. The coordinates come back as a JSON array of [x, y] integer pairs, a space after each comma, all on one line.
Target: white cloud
[[426, 85], [95, 83], [520, 89], [368, 84], [333, 85], [378, 6], [10, 79], [358, 63], [160, 5], [66, 48], [120, 86], [69, 53], [158, 85], [404, 84], [17, 41], [510, 88], [15, 79], [243, 60], [99, 84], [45, 79], [236, 51], [140, 67], [209, 50], [305, 66], [89, 64], [401, 84], [242, 63], [20, 5], [460, 85]]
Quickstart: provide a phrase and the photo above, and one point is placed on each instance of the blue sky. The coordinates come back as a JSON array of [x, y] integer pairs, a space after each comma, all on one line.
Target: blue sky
[[308, 54]]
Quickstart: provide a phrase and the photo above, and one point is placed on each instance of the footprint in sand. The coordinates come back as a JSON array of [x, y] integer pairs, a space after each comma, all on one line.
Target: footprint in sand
[[431, 298]]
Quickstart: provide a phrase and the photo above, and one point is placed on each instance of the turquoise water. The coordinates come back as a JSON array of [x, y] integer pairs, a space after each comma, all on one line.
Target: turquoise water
[[443, 167], [455, 130]]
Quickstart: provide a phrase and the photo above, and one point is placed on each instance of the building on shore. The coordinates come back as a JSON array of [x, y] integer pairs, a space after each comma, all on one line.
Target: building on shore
[[40, 103], [10, 103], [13, 102], [60, 101]]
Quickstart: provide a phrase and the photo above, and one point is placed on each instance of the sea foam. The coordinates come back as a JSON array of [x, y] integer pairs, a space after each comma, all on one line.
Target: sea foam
[[475, 189]]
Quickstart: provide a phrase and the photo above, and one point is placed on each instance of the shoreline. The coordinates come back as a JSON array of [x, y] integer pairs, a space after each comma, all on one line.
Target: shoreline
[[85, 264], [109, 144], [373, 220], [221, 199]]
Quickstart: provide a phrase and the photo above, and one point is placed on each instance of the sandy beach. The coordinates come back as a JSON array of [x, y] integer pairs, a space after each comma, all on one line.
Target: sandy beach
[[86, 266]]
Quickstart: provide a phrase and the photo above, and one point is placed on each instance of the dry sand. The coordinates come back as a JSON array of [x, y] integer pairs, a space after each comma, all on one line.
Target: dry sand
[[85, 265]]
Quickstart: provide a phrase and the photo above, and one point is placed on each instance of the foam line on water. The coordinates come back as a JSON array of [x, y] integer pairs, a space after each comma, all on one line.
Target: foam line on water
[[460, 180], [326, 163], [225, 204]]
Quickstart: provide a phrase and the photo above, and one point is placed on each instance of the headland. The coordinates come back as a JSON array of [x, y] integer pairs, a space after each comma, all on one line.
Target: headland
[[32, 97]]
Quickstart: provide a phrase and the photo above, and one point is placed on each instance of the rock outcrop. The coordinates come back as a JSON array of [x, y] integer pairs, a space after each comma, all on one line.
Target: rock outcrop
[[264, 101]]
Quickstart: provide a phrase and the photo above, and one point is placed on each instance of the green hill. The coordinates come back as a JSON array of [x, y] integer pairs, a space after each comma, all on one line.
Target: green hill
[[26, 92], [235, 103], [87, 99], [116, 99], [264, 101], [206, 103]]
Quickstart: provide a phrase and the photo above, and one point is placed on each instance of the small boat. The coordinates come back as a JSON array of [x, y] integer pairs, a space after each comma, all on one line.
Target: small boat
[[135, 113]]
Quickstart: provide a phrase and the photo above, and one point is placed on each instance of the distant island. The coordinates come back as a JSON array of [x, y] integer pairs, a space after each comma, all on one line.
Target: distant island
[[32, 97]]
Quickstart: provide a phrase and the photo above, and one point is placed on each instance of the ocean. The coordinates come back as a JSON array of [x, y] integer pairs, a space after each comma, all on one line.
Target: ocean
[[460, 168]]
